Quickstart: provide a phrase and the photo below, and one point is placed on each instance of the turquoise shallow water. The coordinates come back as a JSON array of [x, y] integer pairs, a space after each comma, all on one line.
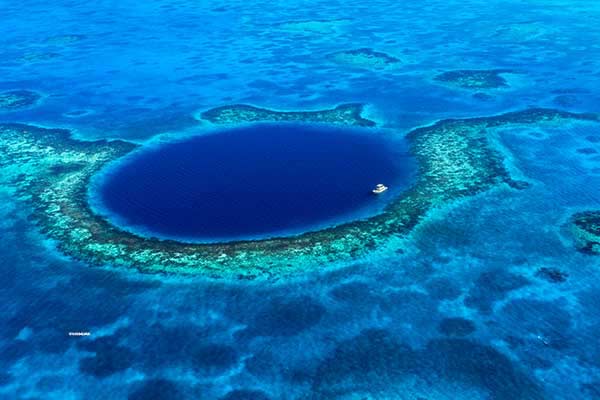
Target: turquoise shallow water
[[464, 311]]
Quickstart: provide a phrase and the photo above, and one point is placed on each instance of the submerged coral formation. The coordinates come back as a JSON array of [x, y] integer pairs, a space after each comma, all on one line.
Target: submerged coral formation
[[526, 31], [51, 170], [551, 274], [474, 79], [16, 99], [586, 228], [63, 40], [345, 114], [35, 57], [363, 58]]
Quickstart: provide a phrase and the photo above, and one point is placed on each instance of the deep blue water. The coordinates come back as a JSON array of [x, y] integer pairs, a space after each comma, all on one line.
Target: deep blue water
[[256, 181], [461, 313]]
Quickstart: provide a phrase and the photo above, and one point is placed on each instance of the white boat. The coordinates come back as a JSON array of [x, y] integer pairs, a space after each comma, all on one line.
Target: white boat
[[380, 188]]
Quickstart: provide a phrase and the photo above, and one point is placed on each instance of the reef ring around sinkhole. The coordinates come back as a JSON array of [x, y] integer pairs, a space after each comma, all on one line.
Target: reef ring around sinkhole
[[52, 171]]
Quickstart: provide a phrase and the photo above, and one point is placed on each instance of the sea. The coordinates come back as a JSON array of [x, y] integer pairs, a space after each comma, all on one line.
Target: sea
[[488, 299]]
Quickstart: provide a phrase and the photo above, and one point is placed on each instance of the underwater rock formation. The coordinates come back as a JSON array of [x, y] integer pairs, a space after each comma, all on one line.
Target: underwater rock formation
[[363, 58], [156, 388], [51, 171], [566, 100], [553, 275], [17, 99], [474, 79], [586, 229], [456, 326]]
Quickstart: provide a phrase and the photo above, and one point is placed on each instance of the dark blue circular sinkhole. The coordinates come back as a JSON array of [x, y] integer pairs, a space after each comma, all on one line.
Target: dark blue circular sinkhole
[[254, 182]]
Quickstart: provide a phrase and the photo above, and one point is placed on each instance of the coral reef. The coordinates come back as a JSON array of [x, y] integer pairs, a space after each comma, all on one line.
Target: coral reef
[[52, 171], [363, 58], [586, 229], [345, 114], [474, 79]]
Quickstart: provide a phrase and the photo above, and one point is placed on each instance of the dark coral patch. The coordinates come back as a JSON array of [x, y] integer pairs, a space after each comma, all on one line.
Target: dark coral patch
[[109, 358], [187, 346], [373, 356], [587, 150], [17, 99], [479, 365], [213, 357], [245, 394], [492, 286], [156, 389], [591, 389], [107, 362], [566, 100], [352, 292], [5, 378], [60, 169], [482, 96], [551, 274], [570, 91], [456, 327], [443, 289], [586, 230], [363, 58], [285, 317], [11, 351], [474, 79], [52, 315], [376, 360], [593, 139], [518, 185]]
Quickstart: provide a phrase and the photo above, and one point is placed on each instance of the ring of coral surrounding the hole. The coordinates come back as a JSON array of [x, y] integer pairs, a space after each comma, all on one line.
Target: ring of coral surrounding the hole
[[51, 171]]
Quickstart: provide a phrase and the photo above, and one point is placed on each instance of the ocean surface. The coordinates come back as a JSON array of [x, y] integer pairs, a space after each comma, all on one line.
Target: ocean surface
[[464, 311]]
